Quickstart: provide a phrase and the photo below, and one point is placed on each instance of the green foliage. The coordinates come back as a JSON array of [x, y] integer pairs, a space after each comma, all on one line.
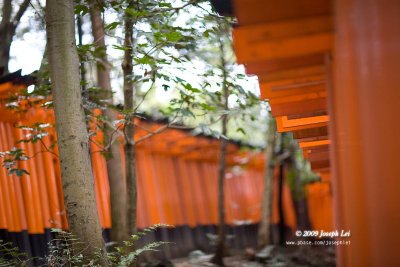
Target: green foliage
[[124, 255], [66, 250], [11, 256], [299, 173], [11, 159], [33, 133]]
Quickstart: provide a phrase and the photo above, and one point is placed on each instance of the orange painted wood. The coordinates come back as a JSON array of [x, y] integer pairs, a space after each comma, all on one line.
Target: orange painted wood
[[149, 203], [309, 144], [251, 12], [281, 29], [187, 193], [285, 125], [8, 219], [289, 215], [265, 67], [311, 134], [177, 176], [209, 174], [142, 217], [313, 149], [54, 201], [293, 86], [19, 212], [247, 52], [306, 107], [320, 165], [318, 155], [365, 104], [57, 169], [31, 193], [37, 170], [294, 73], [319, 199], [298, 98]]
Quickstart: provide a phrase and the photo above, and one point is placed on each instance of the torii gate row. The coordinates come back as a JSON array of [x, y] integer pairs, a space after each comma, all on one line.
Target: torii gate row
[[333, 64]]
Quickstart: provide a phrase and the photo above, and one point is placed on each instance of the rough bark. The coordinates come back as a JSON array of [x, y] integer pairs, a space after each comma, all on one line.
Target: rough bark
[[129, 128], [302, 217], [283, 158], [281, 223], [298, 191], [220, 251], [8, 25], [81, 61], [114, 166], [72, 136], [264, 230]]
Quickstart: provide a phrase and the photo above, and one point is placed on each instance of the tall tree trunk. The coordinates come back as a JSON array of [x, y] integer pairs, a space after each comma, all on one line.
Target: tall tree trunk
[[301, 210], [220, 251], [281, 223], [129, 129], [72, 136], [114, 165], [6, 36], [8, 25], [82, 68], [299, 198], [264, 230]]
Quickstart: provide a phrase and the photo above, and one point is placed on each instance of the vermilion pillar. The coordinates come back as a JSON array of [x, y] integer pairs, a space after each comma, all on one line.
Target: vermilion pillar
[[365, 126]]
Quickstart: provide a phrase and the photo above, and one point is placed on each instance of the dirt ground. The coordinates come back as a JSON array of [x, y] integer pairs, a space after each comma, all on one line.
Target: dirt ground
[[272, 256]]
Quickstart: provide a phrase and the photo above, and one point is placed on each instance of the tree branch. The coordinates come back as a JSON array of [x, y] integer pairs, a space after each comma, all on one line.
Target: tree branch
[[159, 130], [174, 9], [7, 9], [21, 11]]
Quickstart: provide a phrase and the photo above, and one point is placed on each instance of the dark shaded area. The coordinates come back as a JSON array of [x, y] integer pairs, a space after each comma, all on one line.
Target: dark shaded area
[[223, 7], [17, 78], [33, 245], [294, 256], [184, 240]]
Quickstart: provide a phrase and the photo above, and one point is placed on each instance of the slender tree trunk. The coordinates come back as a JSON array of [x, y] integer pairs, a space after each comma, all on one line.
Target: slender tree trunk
[[6, 36], [8, 25], [264, 230], [220, 251], [114, 163], [298, 192], [82, 68], [72, 136], [302, 216], [129, 129], [281, 223]]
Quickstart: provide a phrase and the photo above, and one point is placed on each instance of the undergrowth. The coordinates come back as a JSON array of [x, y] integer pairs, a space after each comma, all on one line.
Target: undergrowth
[[62, 252]]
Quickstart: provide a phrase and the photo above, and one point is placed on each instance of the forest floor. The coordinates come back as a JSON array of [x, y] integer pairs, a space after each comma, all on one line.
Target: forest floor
[[271, 256]]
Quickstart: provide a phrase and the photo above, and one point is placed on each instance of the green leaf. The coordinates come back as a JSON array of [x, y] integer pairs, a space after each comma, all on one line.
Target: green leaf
[[112, 25], [18, 172], [163, 4], [241, 130], [136, 13], [173, 36], [207, 107], [187, 112], [166, 87], [190, 88], [81, 10], [119, 47]]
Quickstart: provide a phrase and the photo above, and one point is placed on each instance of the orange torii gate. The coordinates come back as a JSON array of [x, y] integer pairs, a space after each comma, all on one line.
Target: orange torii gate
[[333, 64], [177, 182]]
